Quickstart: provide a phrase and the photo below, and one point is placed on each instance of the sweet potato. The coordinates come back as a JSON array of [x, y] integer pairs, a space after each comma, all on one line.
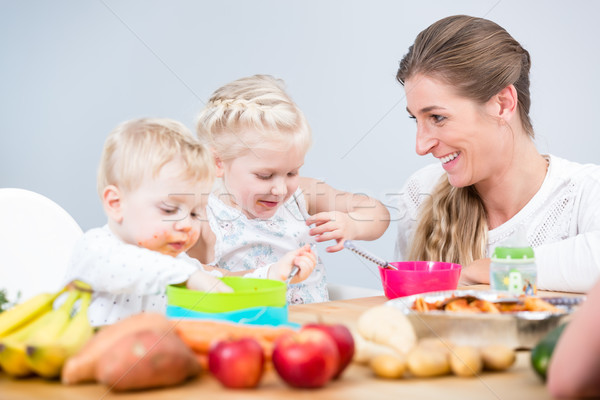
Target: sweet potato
[[146, 359], [81, 367]]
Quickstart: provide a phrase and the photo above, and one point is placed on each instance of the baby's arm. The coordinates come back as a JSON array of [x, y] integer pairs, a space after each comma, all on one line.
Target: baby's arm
[[339, 215], [110, 265]]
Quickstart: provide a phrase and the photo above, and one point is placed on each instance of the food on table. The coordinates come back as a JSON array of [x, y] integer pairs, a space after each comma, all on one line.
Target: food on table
[[200, 334], [365, 349], [465, 361], [388, 326], [37, 338], [47, 357], [82, 366], [146, 359], [424, 362], [343, 339], [472, 304], [388, 366], [308, 358], [237, 363], [542, 352], [497, 357]]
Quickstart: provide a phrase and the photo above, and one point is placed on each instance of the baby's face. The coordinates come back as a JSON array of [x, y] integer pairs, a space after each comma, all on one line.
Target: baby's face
[[261, 180], [164, 214]]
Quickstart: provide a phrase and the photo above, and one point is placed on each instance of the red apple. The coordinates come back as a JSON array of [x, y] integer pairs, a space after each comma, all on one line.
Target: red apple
[[344, 341], [237, 363], [307, 359]]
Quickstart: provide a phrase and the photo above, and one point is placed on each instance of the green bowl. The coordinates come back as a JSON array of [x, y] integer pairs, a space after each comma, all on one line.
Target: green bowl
[[247, 292]]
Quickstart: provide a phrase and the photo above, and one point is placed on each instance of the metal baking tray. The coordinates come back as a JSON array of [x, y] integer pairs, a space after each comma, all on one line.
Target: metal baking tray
[[518, 330]]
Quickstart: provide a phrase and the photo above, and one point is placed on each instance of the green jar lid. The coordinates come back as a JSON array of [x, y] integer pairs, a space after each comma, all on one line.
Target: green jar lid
[[513, 253]]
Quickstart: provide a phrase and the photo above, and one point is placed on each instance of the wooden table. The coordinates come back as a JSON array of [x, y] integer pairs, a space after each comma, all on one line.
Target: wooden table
[[519, 382]]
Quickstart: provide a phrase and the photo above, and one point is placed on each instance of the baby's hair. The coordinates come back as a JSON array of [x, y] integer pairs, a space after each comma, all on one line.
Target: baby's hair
[[249, 112], [144, 145]]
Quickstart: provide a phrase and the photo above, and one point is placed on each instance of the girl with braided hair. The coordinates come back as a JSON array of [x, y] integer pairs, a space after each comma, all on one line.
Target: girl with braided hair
[[467, 87], [261, 209]]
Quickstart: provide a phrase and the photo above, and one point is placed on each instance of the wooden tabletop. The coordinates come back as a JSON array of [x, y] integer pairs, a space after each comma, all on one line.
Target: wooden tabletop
[[519, 382]]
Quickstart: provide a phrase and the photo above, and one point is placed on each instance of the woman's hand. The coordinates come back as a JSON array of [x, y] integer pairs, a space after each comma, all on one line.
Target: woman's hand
[[332, 225], [303, 257], [475, 273]]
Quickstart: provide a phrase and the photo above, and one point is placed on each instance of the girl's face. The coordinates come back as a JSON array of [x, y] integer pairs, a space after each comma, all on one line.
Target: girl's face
[[457, 131], [164, 213], [261, 180]]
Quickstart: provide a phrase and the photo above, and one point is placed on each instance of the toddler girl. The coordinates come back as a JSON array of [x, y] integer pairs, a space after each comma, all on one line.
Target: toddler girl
[[261, 208]]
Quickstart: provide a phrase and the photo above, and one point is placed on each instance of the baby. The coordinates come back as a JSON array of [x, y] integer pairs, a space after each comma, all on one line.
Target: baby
[[154, 179]]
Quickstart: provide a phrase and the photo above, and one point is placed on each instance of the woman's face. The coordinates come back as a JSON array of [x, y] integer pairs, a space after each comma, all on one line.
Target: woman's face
[[460, 133]]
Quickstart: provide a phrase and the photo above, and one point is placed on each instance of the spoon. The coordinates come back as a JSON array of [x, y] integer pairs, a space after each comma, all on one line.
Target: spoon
[[350, 245]]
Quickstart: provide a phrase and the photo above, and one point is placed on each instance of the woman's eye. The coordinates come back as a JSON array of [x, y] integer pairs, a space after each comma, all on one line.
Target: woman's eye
[[264, 177], [292, 174], [437, 118]]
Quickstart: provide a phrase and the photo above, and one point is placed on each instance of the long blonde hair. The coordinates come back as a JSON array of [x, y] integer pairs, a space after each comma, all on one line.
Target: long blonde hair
[[250, 112], [479, 59], [140, 145]]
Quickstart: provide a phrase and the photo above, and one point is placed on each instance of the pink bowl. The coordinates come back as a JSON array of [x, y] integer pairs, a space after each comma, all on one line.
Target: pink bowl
[[415, 277]]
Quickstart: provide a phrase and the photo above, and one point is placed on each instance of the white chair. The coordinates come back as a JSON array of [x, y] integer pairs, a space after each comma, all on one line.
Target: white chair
[[36, 240], [344, 292]]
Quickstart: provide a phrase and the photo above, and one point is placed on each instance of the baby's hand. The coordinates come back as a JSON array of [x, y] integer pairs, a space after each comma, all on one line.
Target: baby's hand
[[303, 257], [332, 225], [205, 282]]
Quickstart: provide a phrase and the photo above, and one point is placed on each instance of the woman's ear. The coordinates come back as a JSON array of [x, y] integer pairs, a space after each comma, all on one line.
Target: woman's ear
[[507, 101], [112, 203]]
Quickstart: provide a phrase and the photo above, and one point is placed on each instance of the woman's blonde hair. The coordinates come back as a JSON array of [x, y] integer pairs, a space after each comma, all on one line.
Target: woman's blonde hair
[[144, 145], [251, 112], [479, 59]]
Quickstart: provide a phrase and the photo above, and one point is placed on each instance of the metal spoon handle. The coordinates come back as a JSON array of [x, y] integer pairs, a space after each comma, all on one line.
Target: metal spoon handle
[[350, 245], [292, 274]]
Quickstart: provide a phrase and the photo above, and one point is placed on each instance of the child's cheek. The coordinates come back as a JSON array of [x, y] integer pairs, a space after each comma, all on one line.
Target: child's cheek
[[153, 242]]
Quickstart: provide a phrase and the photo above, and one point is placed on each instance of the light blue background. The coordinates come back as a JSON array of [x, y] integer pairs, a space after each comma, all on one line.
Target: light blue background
[[72, 70]]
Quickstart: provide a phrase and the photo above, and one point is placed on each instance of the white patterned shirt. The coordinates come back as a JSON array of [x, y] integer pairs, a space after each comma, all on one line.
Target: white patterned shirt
[[126, 279], [243, 244]]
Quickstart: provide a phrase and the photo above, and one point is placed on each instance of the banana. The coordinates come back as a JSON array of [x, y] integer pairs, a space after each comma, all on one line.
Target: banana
[[20, 315], [12, 347], [47, 360], [13, 355]]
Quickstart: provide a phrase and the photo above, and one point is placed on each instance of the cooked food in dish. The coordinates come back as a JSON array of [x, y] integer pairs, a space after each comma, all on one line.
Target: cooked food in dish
[[472, 304]]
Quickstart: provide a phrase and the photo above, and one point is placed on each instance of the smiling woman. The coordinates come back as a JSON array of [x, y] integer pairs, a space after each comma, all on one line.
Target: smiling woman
[[467, 87]]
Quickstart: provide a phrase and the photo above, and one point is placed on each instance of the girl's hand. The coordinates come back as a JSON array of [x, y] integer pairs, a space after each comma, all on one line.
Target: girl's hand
[[303, 257], [332, 225], [205, 282], [475, 273]]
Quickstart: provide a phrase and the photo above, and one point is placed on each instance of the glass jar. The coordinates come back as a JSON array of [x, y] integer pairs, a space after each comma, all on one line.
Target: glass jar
[[513, 270]]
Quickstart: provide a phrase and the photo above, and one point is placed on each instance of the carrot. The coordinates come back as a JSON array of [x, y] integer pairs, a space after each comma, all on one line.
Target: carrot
[[82, 366], [200, 335]]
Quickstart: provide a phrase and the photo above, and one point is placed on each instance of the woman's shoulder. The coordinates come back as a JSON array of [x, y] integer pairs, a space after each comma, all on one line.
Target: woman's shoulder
[[564, 169]]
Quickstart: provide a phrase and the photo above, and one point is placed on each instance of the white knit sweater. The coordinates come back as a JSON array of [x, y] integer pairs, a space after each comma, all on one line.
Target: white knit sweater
[[562, 222]]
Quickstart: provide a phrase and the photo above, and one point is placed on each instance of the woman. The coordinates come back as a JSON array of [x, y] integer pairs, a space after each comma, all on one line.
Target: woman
[[467, 87]]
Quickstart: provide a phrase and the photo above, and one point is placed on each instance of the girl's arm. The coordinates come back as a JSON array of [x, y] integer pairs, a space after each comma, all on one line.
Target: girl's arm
[[339, 215]]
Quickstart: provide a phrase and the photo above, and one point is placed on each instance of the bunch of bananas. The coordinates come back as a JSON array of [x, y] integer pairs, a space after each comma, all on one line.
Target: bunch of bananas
[[37, 338]]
